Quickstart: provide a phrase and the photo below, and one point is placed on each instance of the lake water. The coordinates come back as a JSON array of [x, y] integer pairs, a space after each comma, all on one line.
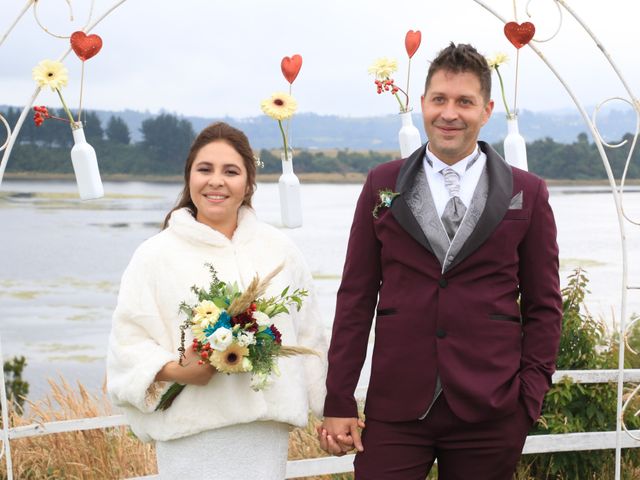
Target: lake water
[[61, 259]]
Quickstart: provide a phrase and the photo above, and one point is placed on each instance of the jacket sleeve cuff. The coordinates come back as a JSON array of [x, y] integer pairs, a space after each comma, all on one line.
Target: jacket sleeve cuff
[[341, 407], [136, 385]]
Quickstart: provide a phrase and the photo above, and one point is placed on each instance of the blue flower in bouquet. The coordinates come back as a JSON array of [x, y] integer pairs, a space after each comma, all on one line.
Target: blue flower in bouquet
[[269, 332], [224, 321], [274, 333]]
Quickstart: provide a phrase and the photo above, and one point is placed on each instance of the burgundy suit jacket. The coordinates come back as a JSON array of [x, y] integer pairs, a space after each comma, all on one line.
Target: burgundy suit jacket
[[489, 326]]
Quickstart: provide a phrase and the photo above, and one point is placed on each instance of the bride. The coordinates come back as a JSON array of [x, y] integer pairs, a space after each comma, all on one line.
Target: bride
[[218, 426]]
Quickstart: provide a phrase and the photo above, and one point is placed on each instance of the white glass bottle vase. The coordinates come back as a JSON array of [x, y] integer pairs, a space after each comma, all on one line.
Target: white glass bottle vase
[[85, 166], [408, 136], [289, 186], [515, 148]]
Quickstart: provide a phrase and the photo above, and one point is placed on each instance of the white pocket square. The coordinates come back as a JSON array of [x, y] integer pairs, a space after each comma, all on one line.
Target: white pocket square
[[516, 201]]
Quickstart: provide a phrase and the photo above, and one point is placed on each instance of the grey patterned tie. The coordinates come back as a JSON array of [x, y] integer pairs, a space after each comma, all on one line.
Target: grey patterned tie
[[454, 210]]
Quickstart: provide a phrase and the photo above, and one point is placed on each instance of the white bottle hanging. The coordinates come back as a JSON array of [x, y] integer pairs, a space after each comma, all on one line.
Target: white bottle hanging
[[289, 186], [515, 148], [408, 136], [85, 165]]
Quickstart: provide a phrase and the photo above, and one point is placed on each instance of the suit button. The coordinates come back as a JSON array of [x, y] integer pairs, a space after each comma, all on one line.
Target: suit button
[[443, 282], [440, 333]]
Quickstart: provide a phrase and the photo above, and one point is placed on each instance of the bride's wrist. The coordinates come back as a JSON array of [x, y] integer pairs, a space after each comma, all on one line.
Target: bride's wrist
[[167, 373]]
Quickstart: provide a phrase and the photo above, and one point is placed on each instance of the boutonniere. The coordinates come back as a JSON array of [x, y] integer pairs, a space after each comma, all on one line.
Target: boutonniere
[[385, 199]]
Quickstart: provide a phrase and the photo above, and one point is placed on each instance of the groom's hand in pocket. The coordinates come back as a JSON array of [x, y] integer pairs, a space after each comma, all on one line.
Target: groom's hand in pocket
[[339, 435]]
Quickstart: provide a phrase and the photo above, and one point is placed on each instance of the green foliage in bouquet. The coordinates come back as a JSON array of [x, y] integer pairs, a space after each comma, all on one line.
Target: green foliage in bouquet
[[274, 305], [573, 407], [233, 330]]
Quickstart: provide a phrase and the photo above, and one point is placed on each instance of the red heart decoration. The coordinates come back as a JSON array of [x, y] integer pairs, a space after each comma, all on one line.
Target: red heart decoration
[[290, 67], [412, 41], [85, 46], [519, 35]]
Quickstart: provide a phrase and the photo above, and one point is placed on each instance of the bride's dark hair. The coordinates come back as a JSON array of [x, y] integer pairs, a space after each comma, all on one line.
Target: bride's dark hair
[[217, 132]]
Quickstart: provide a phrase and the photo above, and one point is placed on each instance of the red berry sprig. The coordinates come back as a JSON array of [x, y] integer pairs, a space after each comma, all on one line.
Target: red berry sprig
[[42, 113], [203, 349], [388, 85]]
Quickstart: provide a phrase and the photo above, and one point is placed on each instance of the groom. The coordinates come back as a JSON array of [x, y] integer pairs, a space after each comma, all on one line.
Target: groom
[[461, 274]]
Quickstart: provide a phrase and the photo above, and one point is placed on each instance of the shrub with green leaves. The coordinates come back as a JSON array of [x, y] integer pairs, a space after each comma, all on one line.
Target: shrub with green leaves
[[574, 407], [17, 388]]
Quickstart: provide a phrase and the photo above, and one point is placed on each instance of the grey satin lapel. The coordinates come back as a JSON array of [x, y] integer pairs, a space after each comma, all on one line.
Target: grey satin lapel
[[421, 203], [470, 220], [498, 199], [400, 208]]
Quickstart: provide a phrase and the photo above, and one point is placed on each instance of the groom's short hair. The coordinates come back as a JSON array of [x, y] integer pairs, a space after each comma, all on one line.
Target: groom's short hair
[[462, 58]]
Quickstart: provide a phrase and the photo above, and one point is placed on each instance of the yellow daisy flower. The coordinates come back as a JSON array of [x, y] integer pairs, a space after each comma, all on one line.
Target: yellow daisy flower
[[280, 106], [50, 73], [198, 332], [383, 67], [494, 64], [206, 312], [231, 360], [497, 60]]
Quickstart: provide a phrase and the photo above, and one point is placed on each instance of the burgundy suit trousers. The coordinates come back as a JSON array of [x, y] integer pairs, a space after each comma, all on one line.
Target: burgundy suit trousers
[[465, 451]]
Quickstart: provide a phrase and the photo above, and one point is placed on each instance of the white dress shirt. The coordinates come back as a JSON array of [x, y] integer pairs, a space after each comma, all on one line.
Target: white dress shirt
[[468, 177]]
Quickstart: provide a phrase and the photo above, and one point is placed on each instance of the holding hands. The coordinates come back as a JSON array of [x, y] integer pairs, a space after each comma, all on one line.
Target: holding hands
[[338, 436]]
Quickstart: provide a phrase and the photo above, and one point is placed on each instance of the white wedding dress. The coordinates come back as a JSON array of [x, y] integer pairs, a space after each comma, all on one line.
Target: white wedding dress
[[248, 451]]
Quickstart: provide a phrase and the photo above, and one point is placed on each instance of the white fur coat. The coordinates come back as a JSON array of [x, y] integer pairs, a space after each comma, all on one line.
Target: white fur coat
[[145, 333]]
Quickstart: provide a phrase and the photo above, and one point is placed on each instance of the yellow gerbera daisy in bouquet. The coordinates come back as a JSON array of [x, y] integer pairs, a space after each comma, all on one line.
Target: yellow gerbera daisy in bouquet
[[235, 332], [234, 359]]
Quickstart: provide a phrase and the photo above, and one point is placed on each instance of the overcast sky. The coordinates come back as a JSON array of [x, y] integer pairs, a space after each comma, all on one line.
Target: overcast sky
[[212, 58]]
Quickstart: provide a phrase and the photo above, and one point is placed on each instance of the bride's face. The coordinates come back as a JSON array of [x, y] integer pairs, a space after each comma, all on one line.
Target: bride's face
[[218, 185]]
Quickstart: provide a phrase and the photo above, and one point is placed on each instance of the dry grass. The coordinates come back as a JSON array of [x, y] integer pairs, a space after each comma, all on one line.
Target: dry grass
[[110, 453], [115, 453]]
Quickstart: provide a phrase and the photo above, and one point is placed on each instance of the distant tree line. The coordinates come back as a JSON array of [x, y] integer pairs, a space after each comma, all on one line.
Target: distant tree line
[[166, 139]]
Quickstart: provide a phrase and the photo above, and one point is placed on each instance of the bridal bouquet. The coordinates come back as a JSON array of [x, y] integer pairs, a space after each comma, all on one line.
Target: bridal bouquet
[[234, 330]]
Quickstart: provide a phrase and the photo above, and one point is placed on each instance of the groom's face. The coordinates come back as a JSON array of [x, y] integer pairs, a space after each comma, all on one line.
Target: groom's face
[[454, 111]]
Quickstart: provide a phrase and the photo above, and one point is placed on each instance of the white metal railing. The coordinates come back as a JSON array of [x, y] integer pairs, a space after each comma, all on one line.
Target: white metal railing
[[567, 442]]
